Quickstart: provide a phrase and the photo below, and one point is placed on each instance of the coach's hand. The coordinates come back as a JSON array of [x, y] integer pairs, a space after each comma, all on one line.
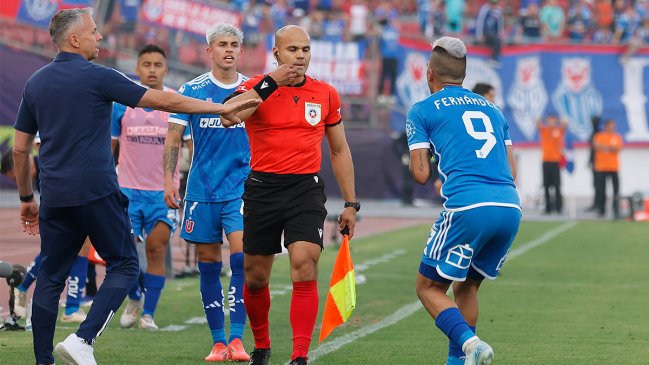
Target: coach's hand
[[29, 217], [229, 111], [347, 219], [172, 195], [284, 75]]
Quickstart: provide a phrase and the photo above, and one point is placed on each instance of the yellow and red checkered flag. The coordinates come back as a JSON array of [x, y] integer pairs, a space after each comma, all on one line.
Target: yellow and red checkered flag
[[341, 299]]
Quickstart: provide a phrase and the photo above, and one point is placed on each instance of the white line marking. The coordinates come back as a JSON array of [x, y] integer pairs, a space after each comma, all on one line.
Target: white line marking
[[411, 308], [541, 240]]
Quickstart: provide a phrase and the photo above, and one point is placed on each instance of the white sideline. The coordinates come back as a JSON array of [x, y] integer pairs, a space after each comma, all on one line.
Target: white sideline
[[409, 309]]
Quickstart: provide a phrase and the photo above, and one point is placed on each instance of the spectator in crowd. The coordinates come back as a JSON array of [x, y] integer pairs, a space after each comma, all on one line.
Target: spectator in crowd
[[425, 16], [454, 15], [579, 21], [607, 165], [552, 135], [603, 35], [490, 28], [390, 50], [385, 11], [603, 14], [358, 20], [439, 20], [639, 39], [529, 29], [626, 25], [279, 13], [552, 21], [334, 27]]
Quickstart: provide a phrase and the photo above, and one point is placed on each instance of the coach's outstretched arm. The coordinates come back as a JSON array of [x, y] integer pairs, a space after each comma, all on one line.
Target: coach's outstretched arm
[[420, 165], [282, 76], [172, 102], [343, 167]]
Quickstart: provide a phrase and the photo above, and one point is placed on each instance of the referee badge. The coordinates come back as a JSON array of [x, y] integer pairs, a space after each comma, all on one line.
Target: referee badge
[[312, 113]]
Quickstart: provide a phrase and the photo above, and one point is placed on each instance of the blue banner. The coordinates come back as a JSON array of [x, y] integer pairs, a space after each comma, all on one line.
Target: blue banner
[[39, 12], [574, 82]]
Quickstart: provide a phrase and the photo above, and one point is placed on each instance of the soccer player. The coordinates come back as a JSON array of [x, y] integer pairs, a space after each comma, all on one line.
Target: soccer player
[[220, 165], [481, 214], [141, 133], [80, 195], [284, 193]]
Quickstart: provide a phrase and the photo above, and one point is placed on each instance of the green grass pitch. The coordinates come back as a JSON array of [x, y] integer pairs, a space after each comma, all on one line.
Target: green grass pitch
[[579, 297]]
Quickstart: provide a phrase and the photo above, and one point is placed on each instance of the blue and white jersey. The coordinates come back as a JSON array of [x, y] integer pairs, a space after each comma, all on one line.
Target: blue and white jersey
[[468, 134], [221, 160]]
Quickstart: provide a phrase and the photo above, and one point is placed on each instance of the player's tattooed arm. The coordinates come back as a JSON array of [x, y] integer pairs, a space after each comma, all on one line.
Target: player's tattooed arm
[[420, 165], [169, 163]]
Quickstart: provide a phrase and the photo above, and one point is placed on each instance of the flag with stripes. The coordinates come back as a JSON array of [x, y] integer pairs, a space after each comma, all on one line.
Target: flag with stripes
[[341, 299]]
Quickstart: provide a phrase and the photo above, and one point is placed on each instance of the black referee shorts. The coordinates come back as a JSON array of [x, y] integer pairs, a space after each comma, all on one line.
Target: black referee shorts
[[274, 204]]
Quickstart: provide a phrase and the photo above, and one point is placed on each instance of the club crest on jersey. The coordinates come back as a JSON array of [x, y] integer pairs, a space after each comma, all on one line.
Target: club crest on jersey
[[189, 226], [312, 113]]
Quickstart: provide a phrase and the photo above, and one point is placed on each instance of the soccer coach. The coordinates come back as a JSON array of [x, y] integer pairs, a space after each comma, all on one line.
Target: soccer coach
[[69, 101]]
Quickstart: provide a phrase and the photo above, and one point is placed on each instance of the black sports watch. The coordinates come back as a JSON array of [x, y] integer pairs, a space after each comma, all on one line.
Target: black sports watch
[[26, 198], [355, 205]]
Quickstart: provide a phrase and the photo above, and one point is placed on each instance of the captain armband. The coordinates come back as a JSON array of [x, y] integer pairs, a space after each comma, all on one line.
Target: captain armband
[[266, 87]]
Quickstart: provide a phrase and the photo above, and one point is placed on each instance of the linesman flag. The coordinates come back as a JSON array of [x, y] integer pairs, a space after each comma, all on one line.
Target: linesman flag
[[341, 299]]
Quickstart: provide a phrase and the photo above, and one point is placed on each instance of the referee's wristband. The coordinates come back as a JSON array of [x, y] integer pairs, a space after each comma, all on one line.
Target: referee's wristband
[[266, 87]]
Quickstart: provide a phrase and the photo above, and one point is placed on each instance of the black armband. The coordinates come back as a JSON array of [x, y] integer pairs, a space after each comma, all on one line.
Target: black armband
[[266, 87]]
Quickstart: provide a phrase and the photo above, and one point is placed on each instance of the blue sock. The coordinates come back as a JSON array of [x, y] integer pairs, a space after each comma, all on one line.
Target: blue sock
[[32, 271], [451, 322], [76, 283], [212, 297], [153, 285], [235, 297], [136, 292], [455, 349]]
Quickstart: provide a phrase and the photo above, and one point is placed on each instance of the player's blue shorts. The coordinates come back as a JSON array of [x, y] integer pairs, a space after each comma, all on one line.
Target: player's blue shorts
[[146, 209], [205, 222], [477, 238]]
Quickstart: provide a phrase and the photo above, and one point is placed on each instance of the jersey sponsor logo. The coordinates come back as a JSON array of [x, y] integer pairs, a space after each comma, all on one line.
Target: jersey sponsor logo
[[320, 232], [527, 96], [312, 113], [264, 85], [460, 256], [502, 261], [146, 130], [296, 99], [215, 123], [189, 226], [576, 98], [315, 178], [242, 88]]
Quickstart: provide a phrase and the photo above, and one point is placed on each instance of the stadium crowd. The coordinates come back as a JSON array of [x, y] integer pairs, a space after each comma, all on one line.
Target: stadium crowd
[[492, 23]]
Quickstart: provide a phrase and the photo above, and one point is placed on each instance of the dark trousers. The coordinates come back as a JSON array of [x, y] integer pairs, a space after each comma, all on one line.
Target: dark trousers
[[493, 41], [63, 231], [389, 72], [552, 182], [600, 192]]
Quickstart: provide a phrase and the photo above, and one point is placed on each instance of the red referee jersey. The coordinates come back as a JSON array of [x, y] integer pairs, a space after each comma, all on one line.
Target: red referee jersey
[[286, 130]]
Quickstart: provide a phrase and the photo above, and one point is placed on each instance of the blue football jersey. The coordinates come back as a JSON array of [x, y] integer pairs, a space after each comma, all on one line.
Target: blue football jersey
[[468, 134], [221, 160]]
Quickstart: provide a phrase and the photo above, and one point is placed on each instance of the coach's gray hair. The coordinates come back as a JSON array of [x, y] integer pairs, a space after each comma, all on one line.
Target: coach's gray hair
[[454, 46], [64, 20], [223, 30]]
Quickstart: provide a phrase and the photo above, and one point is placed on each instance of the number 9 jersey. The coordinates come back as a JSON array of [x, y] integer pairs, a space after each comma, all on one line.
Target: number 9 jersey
[[468, 134]]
